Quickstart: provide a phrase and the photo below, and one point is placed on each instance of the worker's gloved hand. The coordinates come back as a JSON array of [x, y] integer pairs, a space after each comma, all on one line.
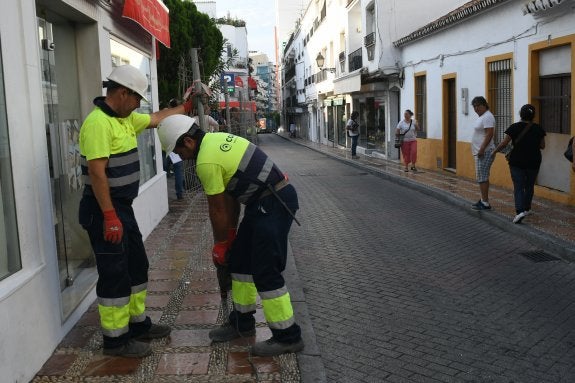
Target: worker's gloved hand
[[113, 229], [188, 106], [219, 252]]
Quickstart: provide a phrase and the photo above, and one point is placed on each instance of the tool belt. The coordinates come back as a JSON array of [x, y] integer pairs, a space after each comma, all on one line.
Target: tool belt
[[277, 187]]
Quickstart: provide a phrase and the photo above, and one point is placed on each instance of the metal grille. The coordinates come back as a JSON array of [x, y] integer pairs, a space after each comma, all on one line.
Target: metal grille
[[421, 102], [538, 256], [555, 100], [500, 95]]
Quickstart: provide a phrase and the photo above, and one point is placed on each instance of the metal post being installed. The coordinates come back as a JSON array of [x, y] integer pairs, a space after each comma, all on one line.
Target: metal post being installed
[[198, 88]]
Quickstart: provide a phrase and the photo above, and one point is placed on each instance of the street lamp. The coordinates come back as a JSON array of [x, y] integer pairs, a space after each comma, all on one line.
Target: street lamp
[[320, 61]]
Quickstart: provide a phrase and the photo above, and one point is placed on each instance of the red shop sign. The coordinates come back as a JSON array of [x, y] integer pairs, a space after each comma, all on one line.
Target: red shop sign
[[152, 15]]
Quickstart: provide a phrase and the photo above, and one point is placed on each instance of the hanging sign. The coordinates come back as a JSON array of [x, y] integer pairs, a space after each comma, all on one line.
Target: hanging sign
[[152, 15]]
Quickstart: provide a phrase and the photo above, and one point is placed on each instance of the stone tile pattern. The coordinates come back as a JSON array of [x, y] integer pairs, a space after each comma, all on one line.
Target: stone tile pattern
[[550, 217], [402, 287], [183, 293]]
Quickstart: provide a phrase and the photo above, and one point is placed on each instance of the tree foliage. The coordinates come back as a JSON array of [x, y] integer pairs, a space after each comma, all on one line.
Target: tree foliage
[[188, 29]]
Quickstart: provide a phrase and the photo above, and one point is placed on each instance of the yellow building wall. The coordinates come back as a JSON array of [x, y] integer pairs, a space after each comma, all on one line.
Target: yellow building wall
[[430, 150]]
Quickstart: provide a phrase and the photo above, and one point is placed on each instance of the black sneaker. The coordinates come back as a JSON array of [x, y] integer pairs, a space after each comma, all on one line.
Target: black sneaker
[[272, 347], [480, 206], [156, 331], [132, 349], [227, 332]]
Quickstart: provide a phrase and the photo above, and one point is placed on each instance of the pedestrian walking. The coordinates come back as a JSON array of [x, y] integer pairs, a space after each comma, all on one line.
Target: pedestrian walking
[[232, 171], [111, 175], [524, 159], [292, 129], [407, 128], [352, 128], [482, 147]]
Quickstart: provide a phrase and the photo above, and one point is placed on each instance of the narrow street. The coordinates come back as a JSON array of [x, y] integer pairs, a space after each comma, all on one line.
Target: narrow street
[[402, 287]]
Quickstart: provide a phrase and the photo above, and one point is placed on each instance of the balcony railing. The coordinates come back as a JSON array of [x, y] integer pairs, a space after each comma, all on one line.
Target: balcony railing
[[369, 40], [355, 60]]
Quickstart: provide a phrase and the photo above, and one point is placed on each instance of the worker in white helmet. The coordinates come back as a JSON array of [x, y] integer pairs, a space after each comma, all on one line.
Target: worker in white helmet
[[232, 170], [111, 175]]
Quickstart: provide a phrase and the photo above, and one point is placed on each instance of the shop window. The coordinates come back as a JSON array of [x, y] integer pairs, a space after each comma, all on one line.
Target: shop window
[[500, 95], [421, 103], [10, 261], [554, 99], [122, 54]]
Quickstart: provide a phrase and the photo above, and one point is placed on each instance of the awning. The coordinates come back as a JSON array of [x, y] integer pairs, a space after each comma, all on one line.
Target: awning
[[247, 105], [347, 84], [152, 15]]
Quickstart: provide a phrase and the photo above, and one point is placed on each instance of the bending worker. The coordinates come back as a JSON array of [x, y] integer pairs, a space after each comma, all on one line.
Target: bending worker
[[232, 171], [111, 175]]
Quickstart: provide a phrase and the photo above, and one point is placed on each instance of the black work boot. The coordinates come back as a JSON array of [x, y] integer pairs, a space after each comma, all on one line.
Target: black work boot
[[273, 347], [227, 332], [132, 349]]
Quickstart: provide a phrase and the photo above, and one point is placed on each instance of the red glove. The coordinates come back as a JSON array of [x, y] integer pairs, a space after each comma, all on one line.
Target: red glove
[[188, 106], [113, 229], [219, 252], [231, 235]]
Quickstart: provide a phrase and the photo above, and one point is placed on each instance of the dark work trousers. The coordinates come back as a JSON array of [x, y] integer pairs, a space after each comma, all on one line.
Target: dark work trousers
[[523, 187], [260, 249], [120, 266]]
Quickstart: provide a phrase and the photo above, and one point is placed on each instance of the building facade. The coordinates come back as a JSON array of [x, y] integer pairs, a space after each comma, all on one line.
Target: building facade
[[50, 71], [382, 57], [528, 58]]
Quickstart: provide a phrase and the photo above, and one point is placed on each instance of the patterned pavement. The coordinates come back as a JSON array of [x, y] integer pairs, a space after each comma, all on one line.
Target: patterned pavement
[[183, 293], [405, 287]]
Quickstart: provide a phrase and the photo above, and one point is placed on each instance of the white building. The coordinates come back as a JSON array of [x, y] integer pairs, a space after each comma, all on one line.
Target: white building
[[54, 56], [527, 56], [360, 69], [264, 72]]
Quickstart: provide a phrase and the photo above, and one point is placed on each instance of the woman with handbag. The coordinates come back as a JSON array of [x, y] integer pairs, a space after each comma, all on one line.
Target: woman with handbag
[[524, 159], [406, 139], [352, 128]]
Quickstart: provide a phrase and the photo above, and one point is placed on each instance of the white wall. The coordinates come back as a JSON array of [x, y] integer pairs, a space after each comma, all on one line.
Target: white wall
[[30, 314]]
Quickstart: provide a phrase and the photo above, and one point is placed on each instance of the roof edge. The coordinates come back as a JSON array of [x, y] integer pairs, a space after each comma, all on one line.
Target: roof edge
[[456, 16]]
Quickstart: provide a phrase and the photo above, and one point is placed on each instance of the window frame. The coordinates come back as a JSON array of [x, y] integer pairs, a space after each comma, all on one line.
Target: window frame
[[503, 118], [420, 102]]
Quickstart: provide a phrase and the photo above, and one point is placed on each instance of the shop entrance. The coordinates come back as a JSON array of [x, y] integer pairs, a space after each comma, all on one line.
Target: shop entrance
[[450, 122], [76, 263]]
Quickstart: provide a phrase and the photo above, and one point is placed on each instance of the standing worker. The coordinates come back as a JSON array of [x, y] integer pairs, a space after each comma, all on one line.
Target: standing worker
[[111, 175], [232, 171]]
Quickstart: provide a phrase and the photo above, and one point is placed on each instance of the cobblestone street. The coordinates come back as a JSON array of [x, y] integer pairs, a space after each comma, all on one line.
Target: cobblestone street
[[402, 287]]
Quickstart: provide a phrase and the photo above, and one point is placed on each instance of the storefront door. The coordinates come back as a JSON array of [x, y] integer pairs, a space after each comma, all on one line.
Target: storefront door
[[62, 115]]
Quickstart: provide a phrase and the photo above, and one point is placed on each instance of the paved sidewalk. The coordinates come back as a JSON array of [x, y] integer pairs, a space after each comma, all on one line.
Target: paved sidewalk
[[552, 226], [183, 293]]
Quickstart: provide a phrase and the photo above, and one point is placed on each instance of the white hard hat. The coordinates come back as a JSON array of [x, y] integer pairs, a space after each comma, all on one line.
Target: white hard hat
[[173, 127], [131, 78]]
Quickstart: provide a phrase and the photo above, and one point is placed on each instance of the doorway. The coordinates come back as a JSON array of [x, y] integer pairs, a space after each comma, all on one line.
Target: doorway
[[450, 122], [62, 115]]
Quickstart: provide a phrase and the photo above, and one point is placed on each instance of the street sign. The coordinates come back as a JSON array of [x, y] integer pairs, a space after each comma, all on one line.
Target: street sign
[[228, 81]]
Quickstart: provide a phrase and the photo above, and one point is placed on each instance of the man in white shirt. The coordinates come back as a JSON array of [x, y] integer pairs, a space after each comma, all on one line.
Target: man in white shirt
[[482, 147]]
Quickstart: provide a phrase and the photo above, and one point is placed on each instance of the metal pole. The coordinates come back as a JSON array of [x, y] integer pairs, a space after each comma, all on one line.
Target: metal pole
[[228, 118], [198, 88]]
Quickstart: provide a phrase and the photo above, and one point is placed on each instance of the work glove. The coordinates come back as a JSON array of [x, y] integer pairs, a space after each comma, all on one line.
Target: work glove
[[113, 229], [188, 105], [219, 252]]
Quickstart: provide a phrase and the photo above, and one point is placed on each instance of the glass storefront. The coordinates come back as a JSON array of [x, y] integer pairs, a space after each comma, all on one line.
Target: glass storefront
[[62, 114], [372, 121], [10, 261], [121, 55]]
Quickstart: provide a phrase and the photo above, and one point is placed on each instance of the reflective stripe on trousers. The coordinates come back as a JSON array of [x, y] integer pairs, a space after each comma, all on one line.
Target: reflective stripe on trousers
[[277, 306], [117, 313]]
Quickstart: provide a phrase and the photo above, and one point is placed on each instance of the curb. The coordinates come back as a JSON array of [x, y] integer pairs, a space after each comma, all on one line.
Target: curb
[[539, 238], [309, 360]]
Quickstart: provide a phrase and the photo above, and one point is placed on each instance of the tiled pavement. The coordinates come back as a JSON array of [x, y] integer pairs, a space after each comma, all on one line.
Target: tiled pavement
[[552, 225], [183, 293]]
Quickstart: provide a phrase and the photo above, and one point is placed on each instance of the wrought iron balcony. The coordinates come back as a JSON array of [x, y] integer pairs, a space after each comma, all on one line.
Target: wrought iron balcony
[[369, 40], [355, 60]]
